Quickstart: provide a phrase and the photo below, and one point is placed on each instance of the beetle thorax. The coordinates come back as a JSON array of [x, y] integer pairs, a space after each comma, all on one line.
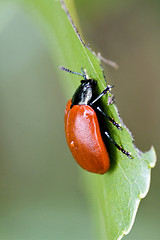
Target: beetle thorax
[[84, 92]]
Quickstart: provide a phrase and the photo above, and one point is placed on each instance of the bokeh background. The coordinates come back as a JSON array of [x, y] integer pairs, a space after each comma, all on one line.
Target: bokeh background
[[41, 190]]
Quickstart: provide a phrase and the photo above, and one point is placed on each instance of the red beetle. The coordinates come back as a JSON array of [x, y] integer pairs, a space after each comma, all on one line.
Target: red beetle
[[83, 131]]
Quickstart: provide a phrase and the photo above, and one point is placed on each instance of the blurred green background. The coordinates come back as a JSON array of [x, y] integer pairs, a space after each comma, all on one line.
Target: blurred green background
[[42, 193]]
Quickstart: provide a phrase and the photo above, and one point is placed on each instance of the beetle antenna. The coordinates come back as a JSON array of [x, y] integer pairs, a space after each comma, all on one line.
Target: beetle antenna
[[68, 70], [85, 75]]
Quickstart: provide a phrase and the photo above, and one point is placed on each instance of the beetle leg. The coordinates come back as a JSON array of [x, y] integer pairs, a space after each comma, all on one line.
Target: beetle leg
[[128, 154], [110, 119], [105, 91]]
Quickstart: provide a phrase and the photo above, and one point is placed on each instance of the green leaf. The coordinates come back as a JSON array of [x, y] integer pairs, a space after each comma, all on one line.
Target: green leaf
[[119, 191]]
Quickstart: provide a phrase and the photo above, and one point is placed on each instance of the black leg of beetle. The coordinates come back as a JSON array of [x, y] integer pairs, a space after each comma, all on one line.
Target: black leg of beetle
[[105, 91], [128, 154], [110, 119]]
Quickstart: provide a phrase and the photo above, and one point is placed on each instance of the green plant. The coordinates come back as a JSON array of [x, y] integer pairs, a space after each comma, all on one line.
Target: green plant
[[118, 192]]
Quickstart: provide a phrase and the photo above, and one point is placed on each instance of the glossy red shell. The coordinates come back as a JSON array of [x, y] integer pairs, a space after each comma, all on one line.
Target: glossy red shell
[[84, 138]]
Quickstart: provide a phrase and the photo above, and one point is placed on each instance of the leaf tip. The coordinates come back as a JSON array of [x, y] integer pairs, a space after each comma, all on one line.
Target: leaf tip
[[154, 157]]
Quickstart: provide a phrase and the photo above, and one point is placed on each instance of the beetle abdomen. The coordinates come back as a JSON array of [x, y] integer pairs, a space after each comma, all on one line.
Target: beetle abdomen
[[84, 138]]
